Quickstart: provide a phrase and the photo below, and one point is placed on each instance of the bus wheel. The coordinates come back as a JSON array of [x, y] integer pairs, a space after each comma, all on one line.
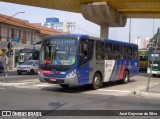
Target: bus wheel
[[97, 81], [64, 85], [31, 72], [125, 77]]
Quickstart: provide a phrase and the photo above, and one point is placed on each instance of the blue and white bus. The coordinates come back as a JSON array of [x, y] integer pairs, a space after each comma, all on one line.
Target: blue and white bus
[[81, 59]]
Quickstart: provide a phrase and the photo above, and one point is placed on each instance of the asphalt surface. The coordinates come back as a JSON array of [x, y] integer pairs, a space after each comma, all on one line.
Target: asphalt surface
[[51, 99], [27, 93], [13, 77], [137, 85]]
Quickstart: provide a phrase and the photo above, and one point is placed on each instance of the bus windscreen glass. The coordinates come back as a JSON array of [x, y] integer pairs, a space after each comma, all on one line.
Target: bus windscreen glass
[[59, 51]]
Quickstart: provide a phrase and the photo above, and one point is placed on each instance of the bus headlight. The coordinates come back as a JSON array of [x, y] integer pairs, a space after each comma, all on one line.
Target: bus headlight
[[71, 74]]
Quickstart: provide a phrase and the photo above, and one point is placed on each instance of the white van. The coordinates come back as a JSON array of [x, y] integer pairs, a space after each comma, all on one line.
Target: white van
[[29, 66]]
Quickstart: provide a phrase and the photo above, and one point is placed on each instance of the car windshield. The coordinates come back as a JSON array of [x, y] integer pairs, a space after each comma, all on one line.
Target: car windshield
[[29, 62], [59, 51]]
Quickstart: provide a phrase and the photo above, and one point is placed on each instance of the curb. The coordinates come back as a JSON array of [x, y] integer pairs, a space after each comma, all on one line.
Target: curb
[[18, 84], [146, 94]]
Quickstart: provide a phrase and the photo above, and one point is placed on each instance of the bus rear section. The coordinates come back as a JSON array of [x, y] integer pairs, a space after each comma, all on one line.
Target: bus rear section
[[27, 54], [143, 60], [120, 60], [79, 59]]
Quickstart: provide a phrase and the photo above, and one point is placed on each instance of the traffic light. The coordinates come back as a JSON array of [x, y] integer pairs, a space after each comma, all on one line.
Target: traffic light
[[9, 46], [9, 51]]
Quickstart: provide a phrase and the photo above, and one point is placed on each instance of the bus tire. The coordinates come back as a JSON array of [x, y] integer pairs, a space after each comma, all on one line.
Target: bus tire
[[64, 85], [97, 81], [125, 77]]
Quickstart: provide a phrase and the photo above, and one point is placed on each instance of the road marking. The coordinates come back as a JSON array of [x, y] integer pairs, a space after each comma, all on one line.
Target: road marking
[[123, 91], [9, 76]]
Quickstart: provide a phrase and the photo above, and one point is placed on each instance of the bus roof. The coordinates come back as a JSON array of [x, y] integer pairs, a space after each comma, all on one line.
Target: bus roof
[[67, 35], [119, 42], [89, 37]]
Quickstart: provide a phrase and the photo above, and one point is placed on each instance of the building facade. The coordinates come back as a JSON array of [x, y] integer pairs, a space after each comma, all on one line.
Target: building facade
[[21, 35], [146, 42], [142, 44], [54, 23]]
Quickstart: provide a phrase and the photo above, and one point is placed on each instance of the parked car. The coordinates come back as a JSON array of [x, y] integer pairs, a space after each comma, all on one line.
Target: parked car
[[1, 67], [29, 66]]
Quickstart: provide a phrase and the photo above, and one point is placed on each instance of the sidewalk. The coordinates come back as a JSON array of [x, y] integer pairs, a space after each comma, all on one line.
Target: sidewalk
[[21, 83], [153, 91]]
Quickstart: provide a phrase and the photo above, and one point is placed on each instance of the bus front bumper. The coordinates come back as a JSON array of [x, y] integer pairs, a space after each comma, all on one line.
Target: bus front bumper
[[142, 68], [55, 80], [153, 72]]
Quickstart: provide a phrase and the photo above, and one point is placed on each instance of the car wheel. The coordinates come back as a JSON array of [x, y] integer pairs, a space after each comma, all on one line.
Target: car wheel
[[154, 75], [32, 71], [1, 70], [97, 81], [64, 85], [19, 73]]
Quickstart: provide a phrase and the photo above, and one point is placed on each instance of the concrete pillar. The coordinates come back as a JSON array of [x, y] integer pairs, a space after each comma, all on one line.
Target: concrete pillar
[[104, 30], [104, 15]]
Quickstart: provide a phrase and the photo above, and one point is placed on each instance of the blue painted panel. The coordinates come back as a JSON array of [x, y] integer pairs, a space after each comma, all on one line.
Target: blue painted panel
[[83, 72]]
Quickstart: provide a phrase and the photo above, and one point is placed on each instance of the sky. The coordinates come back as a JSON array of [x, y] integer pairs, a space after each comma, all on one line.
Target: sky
[[139, 27]]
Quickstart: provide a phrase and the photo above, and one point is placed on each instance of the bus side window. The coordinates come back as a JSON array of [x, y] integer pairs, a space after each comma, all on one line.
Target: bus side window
[[117, 51], [100, 50], [108, 51], [124, 52], [129, 52], [86, 51], [135, 52]]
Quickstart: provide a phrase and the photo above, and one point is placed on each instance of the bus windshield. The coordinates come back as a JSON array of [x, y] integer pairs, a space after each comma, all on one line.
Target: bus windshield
[[156, 58], [60, 51], [143, 58], [24, 56]]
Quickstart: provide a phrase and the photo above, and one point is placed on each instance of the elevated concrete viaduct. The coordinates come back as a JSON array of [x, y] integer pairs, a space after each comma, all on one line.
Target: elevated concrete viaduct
[[106, 13]]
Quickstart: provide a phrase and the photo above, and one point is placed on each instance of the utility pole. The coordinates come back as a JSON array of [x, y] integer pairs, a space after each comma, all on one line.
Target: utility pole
[[155, 41], [8, 54], [130, 30]]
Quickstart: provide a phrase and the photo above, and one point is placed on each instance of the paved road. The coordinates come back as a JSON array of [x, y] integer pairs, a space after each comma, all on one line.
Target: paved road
[[14, 77], [136, 83], [40, 96], [71, 99]]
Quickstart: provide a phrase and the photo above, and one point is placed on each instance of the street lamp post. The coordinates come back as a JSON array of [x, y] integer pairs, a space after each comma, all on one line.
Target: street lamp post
[[11, 16], [130, 30]]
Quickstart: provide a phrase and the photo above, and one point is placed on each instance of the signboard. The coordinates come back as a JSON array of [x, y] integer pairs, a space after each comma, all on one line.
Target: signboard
[[15, 39]]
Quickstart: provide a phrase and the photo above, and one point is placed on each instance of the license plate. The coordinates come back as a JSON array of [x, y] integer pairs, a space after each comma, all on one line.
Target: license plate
[[52, 79]]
